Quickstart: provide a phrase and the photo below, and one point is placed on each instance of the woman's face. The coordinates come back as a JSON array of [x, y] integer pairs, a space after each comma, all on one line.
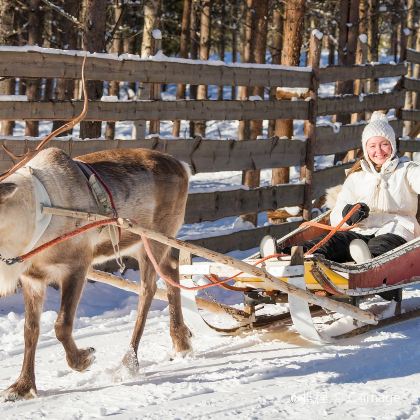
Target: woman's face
[[379, 149]]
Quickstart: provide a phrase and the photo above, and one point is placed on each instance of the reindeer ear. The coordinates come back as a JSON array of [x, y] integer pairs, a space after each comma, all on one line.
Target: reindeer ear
[[7, 189]]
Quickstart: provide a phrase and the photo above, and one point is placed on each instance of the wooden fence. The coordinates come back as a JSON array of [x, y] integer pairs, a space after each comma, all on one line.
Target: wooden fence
[[216, 155]]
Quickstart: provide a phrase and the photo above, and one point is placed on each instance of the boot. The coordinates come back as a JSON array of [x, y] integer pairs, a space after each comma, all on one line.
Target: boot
[[359, 251], [268, 246]]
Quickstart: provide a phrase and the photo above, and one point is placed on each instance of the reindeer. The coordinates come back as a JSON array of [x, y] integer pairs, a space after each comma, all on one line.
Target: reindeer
[[147, 186]]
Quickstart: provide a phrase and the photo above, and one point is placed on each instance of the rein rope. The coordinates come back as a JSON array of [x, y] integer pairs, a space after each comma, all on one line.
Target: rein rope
[[215, 280]]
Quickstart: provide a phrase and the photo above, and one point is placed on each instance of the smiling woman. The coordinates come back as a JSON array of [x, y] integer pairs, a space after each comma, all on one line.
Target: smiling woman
[[385, 187]]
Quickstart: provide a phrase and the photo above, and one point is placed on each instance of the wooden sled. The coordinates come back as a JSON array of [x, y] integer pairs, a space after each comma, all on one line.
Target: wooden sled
[[385, 275]]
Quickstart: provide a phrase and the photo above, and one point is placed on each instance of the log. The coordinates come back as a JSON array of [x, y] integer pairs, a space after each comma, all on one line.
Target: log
[[413, 56], [161, 294], [355, 103], [201, 154], [218, 204], [275, 283], [360, 71], [50, 64], [411, 115], [155, 110], [412, 84]]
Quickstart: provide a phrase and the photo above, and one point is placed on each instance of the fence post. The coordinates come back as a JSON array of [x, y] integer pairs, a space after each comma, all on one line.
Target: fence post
[[310, 125]]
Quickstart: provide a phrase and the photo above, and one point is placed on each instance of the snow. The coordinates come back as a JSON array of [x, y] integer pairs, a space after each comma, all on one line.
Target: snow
[[363, 38], [269, 374], [156, 34], [14, 98], [317, 33], [407, 31], [109, 98]]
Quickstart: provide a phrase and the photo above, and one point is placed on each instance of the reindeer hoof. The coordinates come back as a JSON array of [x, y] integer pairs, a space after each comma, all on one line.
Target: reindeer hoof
[[19, 391], [181, 341], [82, 360], [130, 362]]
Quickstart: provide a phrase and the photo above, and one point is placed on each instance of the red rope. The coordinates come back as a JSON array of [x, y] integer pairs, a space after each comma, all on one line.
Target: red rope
[[334, 230], [66, 236]]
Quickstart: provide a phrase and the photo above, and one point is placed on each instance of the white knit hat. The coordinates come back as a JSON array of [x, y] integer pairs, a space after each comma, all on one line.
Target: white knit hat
[[379, 126]]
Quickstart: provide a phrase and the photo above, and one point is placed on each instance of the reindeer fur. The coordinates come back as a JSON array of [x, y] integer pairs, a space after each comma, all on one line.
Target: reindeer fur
[[147, 186]]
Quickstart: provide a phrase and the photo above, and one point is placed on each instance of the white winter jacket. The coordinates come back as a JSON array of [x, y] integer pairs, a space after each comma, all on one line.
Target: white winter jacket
[[391, 195]]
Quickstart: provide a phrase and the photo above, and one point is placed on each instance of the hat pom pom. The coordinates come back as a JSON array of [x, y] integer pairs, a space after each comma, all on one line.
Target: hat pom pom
[[378, 116]]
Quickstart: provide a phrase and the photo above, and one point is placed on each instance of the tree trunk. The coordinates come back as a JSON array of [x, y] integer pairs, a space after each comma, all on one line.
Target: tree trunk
[[183, 53], [114, 85], [332, 39], [235, 25], [395, 26], [94, 41], [290, 56], [194, 28], [251, 178], [349, 18], [410, 96], [151, 22], [35, 27], [373, 39], [68, 38], [276, 48], [222, 45], [243, 91], [200, 126], [7, 86]]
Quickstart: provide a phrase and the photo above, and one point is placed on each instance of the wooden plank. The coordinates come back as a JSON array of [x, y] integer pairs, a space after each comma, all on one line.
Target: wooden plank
[[156, 110], [347, 138], [412, 84], [327, 178], [201, 155], [49, 64], [409, 145], [360, 71], [358, 103], [413, 56], [218, 204], [410, 114], [244, 239]]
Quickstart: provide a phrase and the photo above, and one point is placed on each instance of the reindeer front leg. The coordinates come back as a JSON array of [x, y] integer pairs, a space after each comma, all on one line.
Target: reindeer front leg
[[24, 387], [71, 290]]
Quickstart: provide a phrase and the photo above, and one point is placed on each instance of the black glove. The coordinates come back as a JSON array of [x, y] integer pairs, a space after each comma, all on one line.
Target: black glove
[[358, 216]]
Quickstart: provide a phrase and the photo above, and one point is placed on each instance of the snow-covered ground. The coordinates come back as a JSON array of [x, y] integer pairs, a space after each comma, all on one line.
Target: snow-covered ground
[[268, 374]]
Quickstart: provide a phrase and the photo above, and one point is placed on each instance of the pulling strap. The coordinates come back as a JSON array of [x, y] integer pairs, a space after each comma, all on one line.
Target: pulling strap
[[106, 205]]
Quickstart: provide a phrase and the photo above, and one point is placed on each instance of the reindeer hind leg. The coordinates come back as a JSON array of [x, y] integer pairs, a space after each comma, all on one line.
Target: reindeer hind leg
[[180, 333], [147, 291]]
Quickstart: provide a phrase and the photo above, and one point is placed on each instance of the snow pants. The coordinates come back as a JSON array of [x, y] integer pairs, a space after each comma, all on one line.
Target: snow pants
[[337, 248]]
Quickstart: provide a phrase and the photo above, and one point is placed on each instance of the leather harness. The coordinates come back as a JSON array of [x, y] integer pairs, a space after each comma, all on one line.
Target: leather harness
[[105, 202]]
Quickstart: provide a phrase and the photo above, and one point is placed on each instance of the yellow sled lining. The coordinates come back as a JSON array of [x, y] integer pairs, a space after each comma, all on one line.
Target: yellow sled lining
[[337, 279]]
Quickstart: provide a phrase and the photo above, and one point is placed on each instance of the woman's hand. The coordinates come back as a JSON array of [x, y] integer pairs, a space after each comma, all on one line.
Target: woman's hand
[[358, 215]]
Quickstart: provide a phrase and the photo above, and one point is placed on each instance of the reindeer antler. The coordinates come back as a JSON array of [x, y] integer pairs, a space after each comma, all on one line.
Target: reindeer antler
[[32, 153]]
